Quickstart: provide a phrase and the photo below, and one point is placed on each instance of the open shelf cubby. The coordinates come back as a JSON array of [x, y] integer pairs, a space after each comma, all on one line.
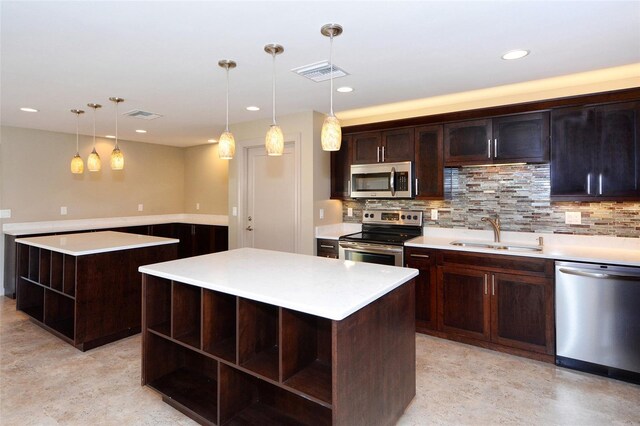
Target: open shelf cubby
[[59, 313], [158, 304], [22, 261], [186, 305], [182, 375], [31, 299], [258, 337], [306, 354], [219, 324], [69, 275], [34, 263], [247, 400], [44, 274], [57, 270]]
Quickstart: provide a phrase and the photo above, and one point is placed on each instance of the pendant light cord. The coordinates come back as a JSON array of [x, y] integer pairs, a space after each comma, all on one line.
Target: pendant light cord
[[331, 69], [227, 125], [273, 53], [94, 128], [116, 147], [77, 131]]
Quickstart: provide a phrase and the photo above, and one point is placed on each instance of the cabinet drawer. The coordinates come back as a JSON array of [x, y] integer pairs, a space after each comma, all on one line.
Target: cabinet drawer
[[499, 263], [327, 248], [419, 257]]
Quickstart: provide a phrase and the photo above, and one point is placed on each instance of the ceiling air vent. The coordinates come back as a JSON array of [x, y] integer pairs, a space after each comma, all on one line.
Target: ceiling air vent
[[143, 115], [320, 71]]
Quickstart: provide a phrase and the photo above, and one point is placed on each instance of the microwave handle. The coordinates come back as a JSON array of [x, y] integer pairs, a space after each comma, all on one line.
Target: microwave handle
[[392, 181]]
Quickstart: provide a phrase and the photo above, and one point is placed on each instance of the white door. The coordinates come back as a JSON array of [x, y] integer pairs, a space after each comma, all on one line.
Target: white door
[[270, 220]]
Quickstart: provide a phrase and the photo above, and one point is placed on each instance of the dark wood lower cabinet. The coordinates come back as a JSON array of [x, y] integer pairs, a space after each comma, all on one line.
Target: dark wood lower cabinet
[[250, 363], [499, 302], [327, 248]]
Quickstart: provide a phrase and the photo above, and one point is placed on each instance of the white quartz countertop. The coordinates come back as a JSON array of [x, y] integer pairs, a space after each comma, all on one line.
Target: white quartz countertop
[[94, 242], [595, 249], [26, 228], [328, 288], [336, 230]]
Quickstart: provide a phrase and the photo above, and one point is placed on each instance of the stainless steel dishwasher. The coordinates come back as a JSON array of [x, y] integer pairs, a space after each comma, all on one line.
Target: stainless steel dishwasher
[[598, 319]]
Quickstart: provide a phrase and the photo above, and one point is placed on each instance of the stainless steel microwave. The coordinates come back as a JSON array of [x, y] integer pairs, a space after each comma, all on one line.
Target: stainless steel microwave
[[382, 180]]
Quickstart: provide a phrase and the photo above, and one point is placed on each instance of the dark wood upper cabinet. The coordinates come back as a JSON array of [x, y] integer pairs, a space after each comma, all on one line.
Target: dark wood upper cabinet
[[341, 169], [508, 139], [383, 147], [429, 169], [595, 153]]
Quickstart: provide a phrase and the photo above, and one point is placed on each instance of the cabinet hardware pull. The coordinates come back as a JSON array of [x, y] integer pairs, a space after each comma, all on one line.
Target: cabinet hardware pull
[[495, 148], [417, 191], [383, 154], [326, 246], [493, 285], [424, 256], [588, 183], [249, 228], [485, 284], [600, 184], [489, 148], [378, 155]]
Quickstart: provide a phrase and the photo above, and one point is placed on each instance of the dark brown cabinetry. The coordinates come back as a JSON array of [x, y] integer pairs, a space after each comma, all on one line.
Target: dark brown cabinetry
[[429, 169], [495, 301], [508, 139], [383, 147], [341, 170], [327, 248], [596, 152]]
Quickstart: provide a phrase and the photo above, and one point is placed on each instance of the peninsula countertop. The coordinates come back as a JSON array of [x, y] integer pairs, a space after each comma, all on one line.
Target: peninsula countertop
[[328, 288], [94, 242]]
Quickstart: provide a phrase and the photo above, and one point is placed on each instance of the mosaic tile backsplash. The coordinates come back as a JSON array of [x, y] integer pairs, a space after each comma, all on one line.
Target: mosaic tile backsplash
[[519, 194]]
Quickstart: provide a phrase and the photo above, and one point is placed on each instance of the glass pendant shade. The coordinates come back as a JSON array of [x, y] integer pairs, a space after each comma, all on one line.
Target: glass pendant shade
[[94, 164], [117, 159], [274, 141], [226, 146], [331, 136], [77, 165]]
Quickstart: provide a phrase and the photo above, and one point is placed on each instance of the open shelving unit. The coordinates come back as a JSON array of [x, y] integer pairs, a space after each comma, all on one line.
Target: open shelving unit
[[227, 360]]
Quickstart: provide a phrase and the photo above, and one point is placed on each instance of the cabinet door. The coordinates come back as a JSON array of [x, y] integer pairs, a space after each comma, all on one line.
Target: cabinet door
[[463, 302], [573, 145], [429, 168], [522, 312], [426, 302], [397, 145], [185, 233], [366, 147], [467, 142], [618, 174], [341, 170], [521, 138]]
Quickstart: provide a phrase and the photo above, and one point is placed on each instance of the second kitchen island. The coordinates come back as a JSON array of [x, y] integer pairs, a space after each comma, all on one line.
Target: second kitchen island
[[260, 337]]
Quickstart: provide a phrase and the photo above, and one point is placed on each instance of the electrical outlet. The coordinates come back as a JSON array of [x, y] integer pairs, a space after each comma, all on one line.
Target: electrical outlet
[[63, 210], [5, 214], [349, 211], [573, 218], [234, 211], [197, 206], [321, 213], [140, 207], [434, 214]]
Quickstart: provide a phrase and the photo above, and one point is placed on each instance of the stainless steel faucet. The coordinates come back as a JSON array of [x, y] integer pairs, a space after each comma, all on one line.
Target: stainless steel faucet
[[496, 227]]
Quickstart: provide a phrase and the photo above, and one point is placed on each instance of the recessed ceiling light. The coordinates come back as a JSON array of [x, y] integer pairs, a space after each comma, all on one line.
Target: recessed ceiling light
[[345, 89], [515, 54], [253, 108], [212, 140], [28, 109], [141, 131], [110, 137]]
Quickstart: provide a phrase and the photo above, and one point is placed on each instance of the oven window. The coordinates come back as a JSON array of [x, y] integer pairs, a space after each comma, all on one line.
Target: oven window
[[371, 182], [382, 259]]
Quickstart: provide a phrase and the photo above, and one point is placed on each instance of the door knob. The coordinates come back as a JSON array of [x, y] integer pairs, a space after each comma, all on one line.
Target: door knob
[[249, 228]]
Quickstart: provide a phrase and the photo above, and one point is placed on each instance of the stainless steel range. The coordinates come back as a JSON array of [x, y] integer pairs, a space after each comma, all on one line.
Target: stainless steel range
[[383, 235]]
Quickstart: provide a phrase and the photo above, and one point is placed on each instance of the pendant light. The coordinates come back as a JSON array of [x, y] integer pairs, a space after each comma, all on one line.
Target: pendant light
[[331, 135], [226, 142], [77, 165], [274, 141], [117, 158], [93, 162]]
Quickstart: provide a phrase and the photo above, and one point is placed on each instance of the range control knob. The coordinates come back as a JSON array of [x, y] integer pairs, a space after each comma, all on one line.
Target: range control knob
[[402, 217], [366, 215], [415, 217]]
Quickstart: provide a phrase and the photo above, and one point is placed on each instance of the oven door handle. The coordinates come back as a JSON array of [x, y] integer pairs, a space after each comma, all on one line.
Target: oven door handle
[[371, 248], [392, 181]]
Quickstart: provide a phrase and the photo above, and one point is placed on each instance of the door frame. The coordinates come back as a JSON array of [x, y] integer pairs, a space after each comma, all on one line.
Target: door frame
[[242, 157]]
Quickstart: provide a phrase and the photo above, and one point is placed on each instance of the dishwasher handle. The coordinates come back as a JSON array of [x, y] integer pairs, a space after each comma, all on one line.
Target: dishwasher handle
[[598, 275]]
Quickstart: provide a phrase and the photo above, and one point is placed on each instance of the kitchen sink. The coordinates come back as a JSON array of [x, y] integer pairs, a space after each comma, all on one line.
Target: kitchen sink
[[497, 246]]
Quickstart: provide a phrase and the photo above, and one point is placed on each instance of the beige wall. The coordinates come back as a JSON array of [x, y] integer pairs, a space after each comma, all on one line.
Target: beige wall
[[36, 180], [205, 180]]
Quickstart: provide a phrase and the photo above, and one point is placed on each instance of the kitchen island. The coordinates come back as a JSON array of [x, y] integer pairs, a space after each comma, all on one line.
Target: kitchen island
[[85, 288], [260, 337]]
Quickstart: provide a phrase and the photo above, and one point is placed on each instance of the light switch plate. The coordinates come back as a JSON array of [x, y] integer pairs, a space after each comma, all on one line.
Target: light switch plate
[[349, 211], [197, 206], [573, 218], [321, 213], [5, 214], [434, 214], [140, 207], [63, 210], [234, 211]]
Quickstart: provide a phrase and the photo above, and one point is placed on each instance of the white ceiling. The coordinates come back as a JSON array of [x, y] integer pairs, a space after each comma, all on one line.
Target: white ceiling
[[162, 56]]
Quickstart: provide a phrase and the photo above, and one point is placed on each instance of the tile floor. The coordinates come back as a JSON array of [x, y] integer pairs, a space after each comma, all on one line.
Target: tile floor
[[44, 381]]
